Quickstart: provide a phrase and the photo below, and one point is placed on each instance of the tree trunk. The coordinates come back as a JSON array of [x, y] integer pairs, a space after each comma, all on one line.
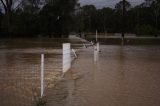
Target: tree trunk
[[7, 5], [123, 22]]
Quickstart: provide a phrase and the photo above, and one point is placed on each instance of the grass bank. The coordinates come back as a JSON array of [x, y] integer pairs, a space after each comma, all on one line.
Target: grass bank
[[128, 41]]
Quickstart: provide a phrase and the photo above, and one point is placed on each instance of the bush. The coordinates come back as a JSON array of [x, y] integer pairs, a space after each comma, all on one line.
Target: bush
[[145, 30]]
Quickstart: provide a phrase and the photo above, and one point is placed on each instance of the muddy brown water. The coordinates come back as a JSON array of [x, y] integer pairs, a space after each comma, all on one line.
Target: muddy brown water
[[20, 68], [123, 76]]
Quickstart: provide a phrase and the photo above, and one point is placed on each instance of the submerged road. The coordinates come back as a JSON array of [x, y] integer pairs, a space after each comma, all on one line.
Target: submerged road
[[123, 76]]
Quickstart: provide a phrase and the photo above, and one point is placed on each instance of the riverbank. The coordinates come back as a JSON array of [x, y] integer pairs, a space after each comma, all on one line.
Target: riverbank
[[128, 40]]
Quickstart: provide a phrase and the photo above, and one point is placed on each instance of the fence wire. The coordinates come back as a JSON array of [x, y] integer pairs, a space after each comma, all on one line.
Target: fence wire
[[20, 76]]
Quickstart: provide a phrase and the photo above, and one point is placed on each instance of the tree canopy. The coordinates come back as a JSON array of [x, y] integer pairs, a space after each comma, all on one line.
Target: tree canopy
[[58, 18]]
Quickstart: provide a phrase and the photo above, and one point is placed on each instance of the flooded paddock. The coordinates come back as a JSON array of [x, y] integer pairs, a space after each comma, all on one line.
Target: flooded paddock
[[123, 76], [20, 64]]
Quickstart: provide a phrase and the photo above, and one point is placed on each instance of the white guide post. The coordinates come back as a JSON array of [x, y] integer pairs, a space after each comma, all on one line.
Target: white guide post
[[95, 53], [97, 46], [66, 57], [42, 74]]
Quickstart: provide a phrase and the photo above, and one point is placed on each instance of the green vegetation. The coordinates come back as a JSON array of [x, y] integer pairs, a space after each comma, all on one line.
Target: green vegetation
[[145, 30], [58, 18]]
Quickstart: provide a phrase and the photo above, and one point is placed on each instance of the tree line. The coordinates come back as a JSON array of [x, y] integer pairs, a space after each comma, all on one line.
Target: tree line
[[59, 18]]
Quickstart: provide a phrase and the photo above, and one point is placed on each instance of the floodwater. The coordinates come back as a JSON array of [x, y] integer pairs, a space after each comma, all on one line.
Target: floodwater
[[20, 61], [122, 76]]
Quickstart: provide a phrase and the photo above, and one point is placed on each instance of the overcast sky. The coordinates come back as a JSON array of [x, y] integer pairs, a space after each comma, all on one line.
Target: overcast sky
[[107, 3]]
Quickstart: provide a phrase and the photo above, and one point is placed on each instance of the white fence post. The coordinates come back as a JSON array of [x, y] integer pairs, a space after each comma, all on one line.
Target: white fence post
[[42, 74], [97, 46], [66, 57], [95, 53]]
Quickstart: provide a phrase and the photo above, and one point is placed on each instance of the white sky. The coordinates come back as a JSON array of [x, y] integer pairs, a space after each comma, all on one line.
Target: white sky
[[107, 3]]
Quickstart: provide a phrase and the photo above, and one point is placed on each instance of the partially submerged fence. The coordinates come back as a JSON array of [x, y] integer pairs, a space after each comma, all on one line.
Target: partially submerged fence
[[66, 57], [27, 77], [96, 52]]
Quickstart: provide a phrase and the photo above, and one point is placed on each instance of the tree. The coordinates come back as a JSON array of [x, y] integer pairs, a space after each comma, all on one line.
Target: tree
[[8, 7], [57, 16], [154, 7], [31, 6], [0, 20], [26, 19], [89, 18], [148, 2], [156, 12], [106, 19], [123, 6], [119, 6], [78, 20]]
